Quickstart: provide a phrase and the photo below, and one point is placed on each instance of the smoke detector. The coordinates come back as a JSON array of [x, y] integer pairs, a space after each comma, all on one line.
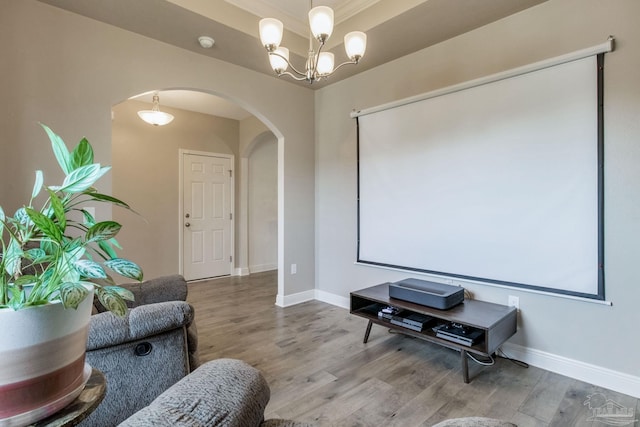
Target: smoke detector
[[206, 41]]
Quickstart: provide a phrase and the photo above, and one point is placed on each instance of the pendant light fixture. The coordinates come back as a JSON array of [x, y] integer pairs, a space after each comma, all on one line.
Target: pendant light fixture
[[319, 64], [155, 116]]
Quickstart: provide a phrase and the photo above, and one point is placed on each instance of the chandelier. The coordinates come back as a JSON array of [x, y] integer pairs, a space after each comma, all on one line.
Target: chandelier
[[155, 116], [319, 64]]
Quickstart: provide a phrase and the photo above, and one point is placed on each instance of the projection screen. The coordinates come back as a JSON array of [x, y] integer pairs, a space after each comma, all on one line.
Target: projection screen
[[500, 182]]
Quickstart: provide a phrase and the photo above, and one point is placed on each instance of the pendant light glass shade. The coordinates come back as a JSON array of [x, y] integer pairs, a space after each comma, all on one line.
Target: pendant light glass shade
[[355, 44], [321, 22], [155, 116], [325, 63], [270, 33], [279, 59]]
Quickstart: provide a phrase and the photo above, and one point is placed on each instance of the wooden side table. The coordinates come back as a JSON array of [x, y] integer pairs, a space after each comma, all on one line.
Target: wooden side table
[[497, 322], [82, 406]]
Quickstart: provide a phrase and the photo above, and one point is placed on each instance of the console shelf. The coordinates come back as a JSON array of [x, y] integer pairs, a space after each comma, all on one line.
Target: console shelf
[[497, 322]]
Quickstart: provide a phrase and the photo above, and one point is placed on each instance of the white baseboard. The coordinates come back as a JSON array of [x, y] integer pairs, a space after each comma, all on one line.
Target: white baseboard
[[243, 271], [592, 374], [333, 299], [262, 267], [300, 297]]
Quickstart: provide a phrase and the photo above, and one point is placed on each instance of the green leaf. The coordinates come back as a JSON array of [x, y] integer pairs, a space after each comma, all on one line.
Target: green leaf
[[104, 230], [82, 178], [106, 198], [58, 209], [36, 254], [22, 217], [12, 258], [82, 155], [89, 269], [123, 292], [46, 225], [37, 186], [106, 247], [2, 220], [59, 150], [116, 244], [89, 220], [125, 268], [112, 301], [27, 279], [18, 298], [48, 247], [72, 294], [71, 253]]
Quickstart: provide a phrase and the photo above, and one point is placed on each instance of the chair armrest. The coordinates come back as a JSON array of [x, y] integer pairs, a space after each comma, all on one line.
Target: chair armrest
[[106, 329], [223, 392], [160, 289]]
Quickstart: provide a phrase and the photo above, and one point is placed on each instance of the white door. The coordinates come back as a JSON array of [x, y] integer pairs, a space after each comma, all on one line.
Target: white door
[[207, 216]]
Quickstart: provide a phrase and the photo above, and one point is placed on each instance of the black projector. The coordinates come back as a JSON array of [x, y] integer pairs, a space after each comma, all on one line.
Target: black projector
[[430, 294]]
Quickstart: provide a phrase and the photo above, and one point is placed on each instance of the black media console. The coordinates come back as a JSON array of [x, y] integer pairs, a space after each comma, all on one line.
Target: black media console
[[471, 327]]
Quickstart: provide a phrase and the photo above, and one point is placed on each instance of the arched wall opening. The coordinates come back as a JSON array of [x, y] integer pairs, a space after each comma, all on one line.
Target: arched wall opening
[[145, 174]]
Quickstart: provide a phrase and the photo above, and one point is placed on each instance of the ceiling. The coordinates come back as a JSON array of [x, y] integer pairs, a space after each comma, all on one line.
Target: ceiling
[[394, 28]]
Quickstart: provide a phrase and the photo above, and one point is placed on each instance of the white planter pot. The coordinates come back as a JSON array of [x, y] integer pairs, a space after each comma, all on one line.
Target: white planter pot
[[42, 360]]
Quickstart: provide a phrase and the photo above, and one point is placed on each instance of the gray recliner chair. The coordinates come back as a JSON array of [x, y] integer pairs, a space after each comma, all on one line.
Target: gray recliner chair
[[145, 352], [220, 393]]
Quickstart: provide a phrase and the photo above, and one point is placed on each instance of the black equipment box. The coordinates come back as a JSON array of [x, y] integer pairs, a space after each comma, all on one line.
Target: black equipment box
[[430, 294]]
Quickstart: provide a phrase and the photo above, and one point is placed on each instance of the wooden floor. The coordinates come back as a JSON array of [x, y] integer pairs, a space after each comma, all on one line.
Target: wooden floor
[[319, 370]]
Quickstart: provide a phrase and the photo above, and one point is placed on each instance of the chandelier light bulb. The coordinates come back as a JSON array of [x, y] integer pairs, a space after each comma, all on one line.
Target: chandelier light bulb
[[325, 63], [271, 31], [355, 44], [321, 22], [279, 60]]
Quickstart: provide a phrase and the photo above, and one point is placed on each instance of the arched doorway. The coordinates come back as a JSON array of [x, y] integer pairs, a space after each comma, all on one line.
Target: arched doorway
[[146, 172]]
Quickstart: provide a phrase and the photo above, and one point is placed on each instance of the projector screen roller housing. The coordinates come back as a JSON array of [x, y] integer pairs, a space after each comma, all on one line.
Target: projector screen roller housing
[[500, 182]]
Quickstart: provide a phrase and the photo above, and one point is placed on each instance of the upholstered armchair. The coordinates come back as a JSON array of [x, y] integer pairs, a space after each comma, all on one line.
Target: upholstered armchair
[[145, 352]]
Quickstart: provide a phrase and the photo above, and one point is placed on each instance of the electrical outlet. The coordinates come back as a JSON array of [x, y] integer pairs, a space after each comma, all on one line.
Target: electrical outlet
[[514, 302], [294, 268]]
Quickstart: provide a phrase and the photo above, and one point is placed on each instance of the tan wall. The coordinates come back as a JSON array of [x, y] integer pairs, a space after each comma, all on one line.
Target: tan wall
[[577, 332], [145, 174], [68, 71]]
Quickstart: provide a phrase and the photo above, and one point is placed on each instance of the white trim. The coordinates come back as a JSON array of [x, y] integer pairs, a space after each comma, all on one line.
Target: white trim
[[333, 299], [232, 195], [579, 54], [289, 300], [592, 374], [603, 377], [262, 267], [242, 272]]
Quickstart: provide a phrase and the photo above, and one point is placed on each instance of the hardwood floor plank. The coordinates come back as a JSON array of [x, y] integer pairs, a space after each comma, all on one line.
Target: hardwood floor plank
[[545, 397], [320, 371]]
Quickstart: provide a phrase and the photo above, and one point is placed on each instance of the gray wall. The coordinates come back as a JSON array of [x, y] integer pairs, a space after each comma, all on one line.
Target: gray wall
[[262, 205], [578, 334], [68, 71]]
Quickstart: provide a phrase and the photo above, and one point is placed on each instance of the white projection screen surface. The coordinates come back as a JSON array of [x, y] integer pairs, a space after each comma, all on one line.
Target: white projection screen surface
[[497, 183]]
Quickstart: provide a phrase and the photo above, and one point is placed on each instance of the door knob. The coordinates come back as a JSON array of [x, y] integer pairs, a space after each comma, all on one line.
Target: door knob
[[187, 224]]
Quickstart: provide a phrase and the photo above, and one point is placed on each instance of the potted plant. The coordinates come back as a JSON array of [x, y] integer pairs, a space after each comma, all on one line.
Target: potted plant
[[53, 258]]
